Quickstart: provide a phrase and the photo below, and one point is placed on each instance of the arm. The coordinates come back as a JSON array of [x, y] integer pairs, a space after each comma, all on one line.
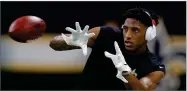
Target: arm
[[148, 82], [95, 30], [59, 44]]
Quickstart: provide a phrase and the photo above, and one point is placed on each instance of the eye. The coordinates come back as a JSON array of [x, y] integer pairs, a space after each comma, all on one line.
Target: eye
[[135, 30], [125, 28]]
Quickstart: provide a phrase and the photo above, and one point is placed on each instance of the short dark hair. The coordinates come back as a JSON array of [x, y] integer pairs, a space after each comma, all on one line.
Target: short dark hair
[[141, 15]]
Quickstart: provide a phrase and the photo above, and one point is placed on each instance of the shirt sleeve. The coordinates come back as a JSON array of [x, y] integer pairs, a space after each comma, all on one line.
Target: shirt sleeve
[[157, 65], [106, 34]]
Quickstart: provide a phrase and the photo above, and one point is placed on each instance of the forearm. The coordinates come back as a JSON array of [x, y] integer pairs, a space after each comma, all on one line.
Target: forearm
[[58, 44], [134, 83]]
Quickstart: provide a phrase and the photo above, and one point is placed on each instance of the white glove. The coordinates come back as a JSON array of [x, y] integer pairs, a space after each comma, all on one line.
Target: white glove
[[78, 37], [119, 62]]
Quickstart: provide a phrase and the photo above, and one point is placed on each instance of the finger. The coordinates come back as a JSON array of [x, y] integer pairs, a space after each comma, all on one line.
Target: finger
[[78, 28], [122, 78], [119, 76], [70, 29], [90, 35], [134, 70], [109, 55], [118, 51], [85, 30], [84, 49]]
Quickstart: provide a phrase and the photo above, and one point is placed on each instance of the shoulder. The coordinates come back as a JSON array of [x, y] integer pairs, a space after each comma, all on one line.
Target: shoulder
[[108, 34], [109, 29], [156, 62], [105, 31]]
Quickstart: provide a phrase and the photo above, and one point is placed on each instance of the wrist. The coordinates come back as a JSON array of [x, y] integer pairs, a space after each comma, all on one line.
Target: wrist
[[125, 73]]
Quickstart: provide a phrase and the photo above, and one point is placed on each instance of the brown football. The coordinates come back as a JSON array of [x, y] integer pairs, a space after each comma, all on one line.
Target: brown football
[[27, 28]]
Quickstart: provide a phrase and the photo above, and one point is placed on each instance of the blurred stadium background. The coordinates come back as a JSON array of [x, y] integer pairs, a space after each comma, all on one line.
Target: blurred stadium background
[[35, 66]]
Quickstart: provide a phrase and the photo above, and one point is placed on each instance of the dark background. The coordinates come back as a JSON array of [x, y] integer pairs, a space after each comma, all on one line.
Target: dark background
[[59, 15]]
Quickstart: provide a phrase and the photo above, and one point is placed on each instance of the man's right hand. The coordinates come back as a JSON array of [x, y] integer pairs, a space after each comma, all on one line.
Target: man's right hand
[[78, 37]]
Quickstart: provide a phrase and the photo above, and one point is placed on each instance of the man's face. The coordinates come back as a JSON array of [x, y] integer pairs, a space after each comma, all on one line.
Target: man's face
[[134, 34]]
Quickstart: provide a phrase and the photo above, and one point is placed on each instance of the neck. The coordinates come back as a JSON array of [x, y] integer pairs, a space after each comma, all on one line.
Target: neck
[[138, 51], [141, 50]]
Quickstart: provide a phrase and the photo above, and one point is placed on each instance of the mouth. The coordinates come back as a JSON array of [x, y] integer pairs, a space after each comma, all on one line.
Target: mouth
[[128, 44]]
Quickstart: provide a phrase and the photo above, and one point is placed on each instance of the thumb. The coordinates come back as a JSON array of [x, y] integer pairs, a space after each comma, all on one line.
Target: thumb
[[84, 49], [107, 54], [90, 35]]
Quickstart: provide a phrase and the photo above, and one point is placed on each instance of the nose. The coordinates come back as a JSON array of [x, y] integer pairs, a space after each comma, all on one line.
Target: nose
[[128, 35]]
